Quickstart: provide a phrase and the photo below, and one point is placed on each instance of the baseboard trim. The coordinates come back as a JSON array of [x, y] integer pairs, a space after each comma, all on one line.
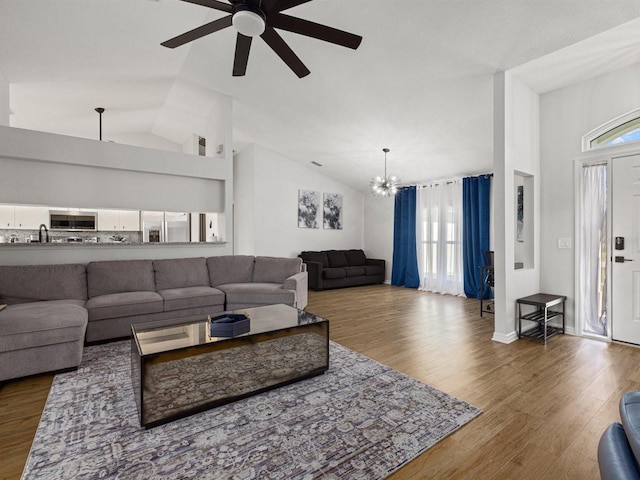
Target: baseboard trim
[[502, 338]]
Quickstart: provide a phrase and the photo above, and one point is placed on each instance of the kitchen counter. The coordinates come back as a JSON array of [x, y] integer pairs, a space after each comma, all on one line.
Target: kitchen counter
[[104, 244]]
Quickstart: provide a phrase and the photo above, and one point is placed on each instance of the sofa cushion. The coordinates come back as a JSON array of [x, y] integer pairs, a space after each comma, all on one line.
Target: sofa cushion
[[337, 258], [190, 297], [124, 304], [36, 324], [230, 269], [355, 258], [275, 270], [257, 293], [354, 271], [181, 272], [334, 273], [32, 283], [320, 257], [119, 276], [630, 419]]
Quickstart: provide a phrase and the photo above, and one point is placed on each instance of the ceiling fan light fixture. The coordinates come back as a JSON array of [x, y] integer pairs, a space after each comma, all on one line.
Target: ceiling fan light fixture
[[249, 21]]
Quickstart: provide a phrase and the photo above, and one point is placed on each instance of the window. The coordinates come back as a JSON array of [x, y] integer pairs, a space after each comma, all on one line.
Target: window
[[622, 129], [627, 132]]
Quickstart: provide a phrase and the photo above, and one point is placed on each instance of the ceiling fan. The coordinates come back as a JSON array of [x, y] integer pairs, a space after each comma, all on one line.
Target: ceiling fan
[[253, 18]]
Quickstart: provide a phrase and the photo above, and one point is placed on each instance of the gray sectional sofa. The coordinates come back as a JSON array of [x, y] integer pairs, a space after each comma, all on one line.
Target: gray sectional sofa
[[342, 268], [54, 309]]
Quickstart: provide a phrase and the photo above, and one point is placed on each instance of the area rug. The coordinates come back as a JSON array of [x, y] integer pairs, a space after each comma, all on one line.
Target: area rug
[[360, 420]]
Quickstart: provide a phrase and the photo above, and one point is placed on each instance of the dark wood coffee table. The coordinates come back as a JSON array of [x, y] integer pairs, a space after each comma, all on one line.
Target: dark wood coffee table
[[178, 368]]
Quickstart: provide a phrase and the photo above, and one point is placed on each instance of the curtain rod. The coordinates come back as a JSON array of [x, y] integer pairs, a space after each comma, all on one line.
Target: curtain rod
[[448, 182]]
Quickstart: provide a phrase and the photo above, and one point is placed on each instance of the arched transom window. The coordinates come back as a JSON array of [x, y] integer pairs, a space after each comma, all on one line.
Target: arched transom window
[[622, 129]]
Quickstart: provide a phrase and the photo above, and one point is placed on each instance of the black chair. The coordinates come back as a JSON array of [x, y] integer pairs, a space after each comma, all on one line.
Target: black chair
[[487, 280]]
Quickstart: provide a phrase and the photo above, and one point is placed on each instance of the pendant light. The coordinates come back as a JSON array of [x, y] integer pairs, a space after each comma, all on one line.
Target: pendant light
[[100, 111], [386, 186]]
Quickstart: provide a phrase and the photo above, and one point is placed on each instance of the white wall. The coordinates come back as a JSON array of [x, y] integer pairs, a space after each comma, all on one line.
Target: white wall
[[516, 150], [4, 101], [274, 182], [378, 230], [566, 115]]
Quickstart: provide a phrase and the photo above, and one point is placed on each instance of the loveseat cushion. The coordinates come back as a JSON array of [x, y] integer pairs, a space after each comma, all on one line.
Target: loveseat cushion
[[275, 270], [334, 273], [257, 294], [320, 257], [124, 304], [630, 419], [355, 258], [190, 297], [32, 283], [337, 258], [230, 269], [354, 271], [36, 324], [119, 276], [181, 272]]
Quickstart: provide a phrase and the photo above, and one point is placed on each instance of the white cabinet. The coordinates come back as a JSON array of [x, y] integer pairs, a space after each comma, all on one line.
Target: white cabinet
[[30, 218], [119, 220], [23, 218], [7, 216], [130, 220]]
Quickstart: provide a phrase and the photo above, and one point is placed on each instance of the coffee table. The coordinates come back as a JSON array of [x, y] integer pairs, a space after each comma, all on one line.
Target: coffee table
[[178, 368]]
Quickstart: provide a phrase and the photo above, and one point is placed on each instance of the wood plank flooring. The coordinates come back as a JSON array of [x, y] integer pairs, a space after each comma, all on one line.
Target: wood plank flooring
[[544, 408]]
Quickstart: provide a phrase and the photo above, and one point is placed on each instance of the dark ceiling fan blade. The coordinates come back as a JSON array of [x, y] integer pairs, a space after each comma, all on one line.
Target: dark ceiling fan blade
[[278, 45], [243, 45], [224, 7], [199, 32], [314, 30], [272, 6]]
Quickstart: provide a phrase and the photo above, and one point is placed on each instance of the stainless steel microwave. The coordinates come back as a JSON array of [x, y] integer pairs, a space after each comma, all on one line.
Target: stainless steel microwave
[[72, 221]]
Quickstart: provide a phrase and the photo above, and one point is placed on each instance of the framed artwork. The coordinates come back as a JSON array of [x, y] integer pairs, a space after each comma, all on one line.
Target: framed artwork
[[332, 211], [308, 209], [520, 214]]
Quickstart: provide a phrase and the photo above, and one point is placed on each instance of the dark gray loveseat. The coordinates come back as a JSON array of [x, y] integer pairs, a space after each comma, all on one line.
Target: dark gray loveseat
[[619, 446], [53, 309], [342, 268]]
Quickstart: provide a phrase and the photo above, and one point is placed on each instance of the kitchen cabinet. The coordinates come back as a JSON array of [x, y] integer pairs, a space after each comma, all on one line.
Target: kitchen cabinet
[[119, 220], [30, 218], [7, 216], [23, 218]]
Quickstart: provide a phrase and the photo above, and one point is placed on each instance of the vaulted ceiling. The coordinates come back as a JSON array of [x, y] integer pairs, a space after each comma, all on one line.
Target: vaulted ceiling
[[420, 82]]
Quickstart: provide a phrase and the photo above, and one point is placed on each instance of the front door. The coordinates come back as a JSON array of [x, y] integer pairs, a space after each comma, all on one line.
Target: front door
[[625, 251]]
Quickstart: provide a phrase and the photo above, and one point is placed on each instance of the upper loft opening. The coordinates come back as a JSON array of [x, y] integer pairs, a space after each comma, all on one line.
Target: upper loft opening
[[623, 129]]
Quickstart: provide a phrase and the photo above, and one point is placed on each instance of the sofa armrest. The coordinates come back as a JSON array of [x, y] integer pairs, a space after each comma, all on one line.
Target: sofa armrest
[[315, 274], [375, 262], [615, 458], [299, 283]]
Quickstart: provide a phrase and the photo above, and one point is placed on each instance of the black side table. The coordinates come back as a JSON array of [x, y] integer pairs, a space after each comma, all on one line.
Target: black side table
[[542, 314]]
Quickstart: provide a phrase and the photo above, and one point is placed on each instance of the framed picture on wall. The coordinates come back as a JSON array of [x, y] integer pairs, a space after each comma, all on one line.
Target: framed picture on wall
[[308, 209], [520, 214], [332, 213]]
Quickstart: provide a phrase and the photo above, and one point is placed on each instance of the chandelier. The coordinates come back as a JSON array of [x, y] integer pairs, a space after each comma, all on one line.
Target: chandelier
[[386, 186]]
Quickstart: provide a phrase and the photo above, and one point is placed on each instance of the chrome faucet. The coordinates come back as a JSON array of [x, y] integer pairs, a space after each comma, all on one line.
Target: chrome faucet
[[46, 231]]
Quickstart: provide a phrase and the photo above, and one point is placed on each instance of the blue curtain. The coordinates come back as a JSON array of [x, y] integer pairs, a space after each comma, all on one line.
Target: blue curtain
[[475, 232], [404, 272]]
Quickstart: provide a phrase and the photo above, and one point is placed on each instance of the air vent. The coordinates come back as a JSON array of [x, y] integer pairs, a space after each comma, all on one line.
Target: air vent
[[316, 163]]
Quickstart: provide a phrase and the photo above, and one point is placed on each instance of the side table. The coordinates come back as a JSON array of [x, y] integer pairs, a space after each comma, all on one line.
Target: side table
[[542, 314]]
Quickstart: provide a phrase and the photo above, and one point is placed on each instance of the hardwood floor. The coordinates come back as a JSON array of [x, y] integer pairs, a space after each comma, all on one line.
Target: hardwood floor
[[544, 408]]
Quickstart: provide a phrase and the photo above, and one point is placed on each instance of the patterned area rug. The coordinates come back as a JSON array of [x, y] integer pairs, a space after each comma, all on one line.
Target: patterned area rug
[[360, 420]]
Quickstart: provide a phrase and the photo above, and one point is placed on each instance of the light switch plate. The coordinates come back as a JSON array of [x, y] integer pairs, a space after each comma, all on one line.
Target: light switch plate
[[564, 243]]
